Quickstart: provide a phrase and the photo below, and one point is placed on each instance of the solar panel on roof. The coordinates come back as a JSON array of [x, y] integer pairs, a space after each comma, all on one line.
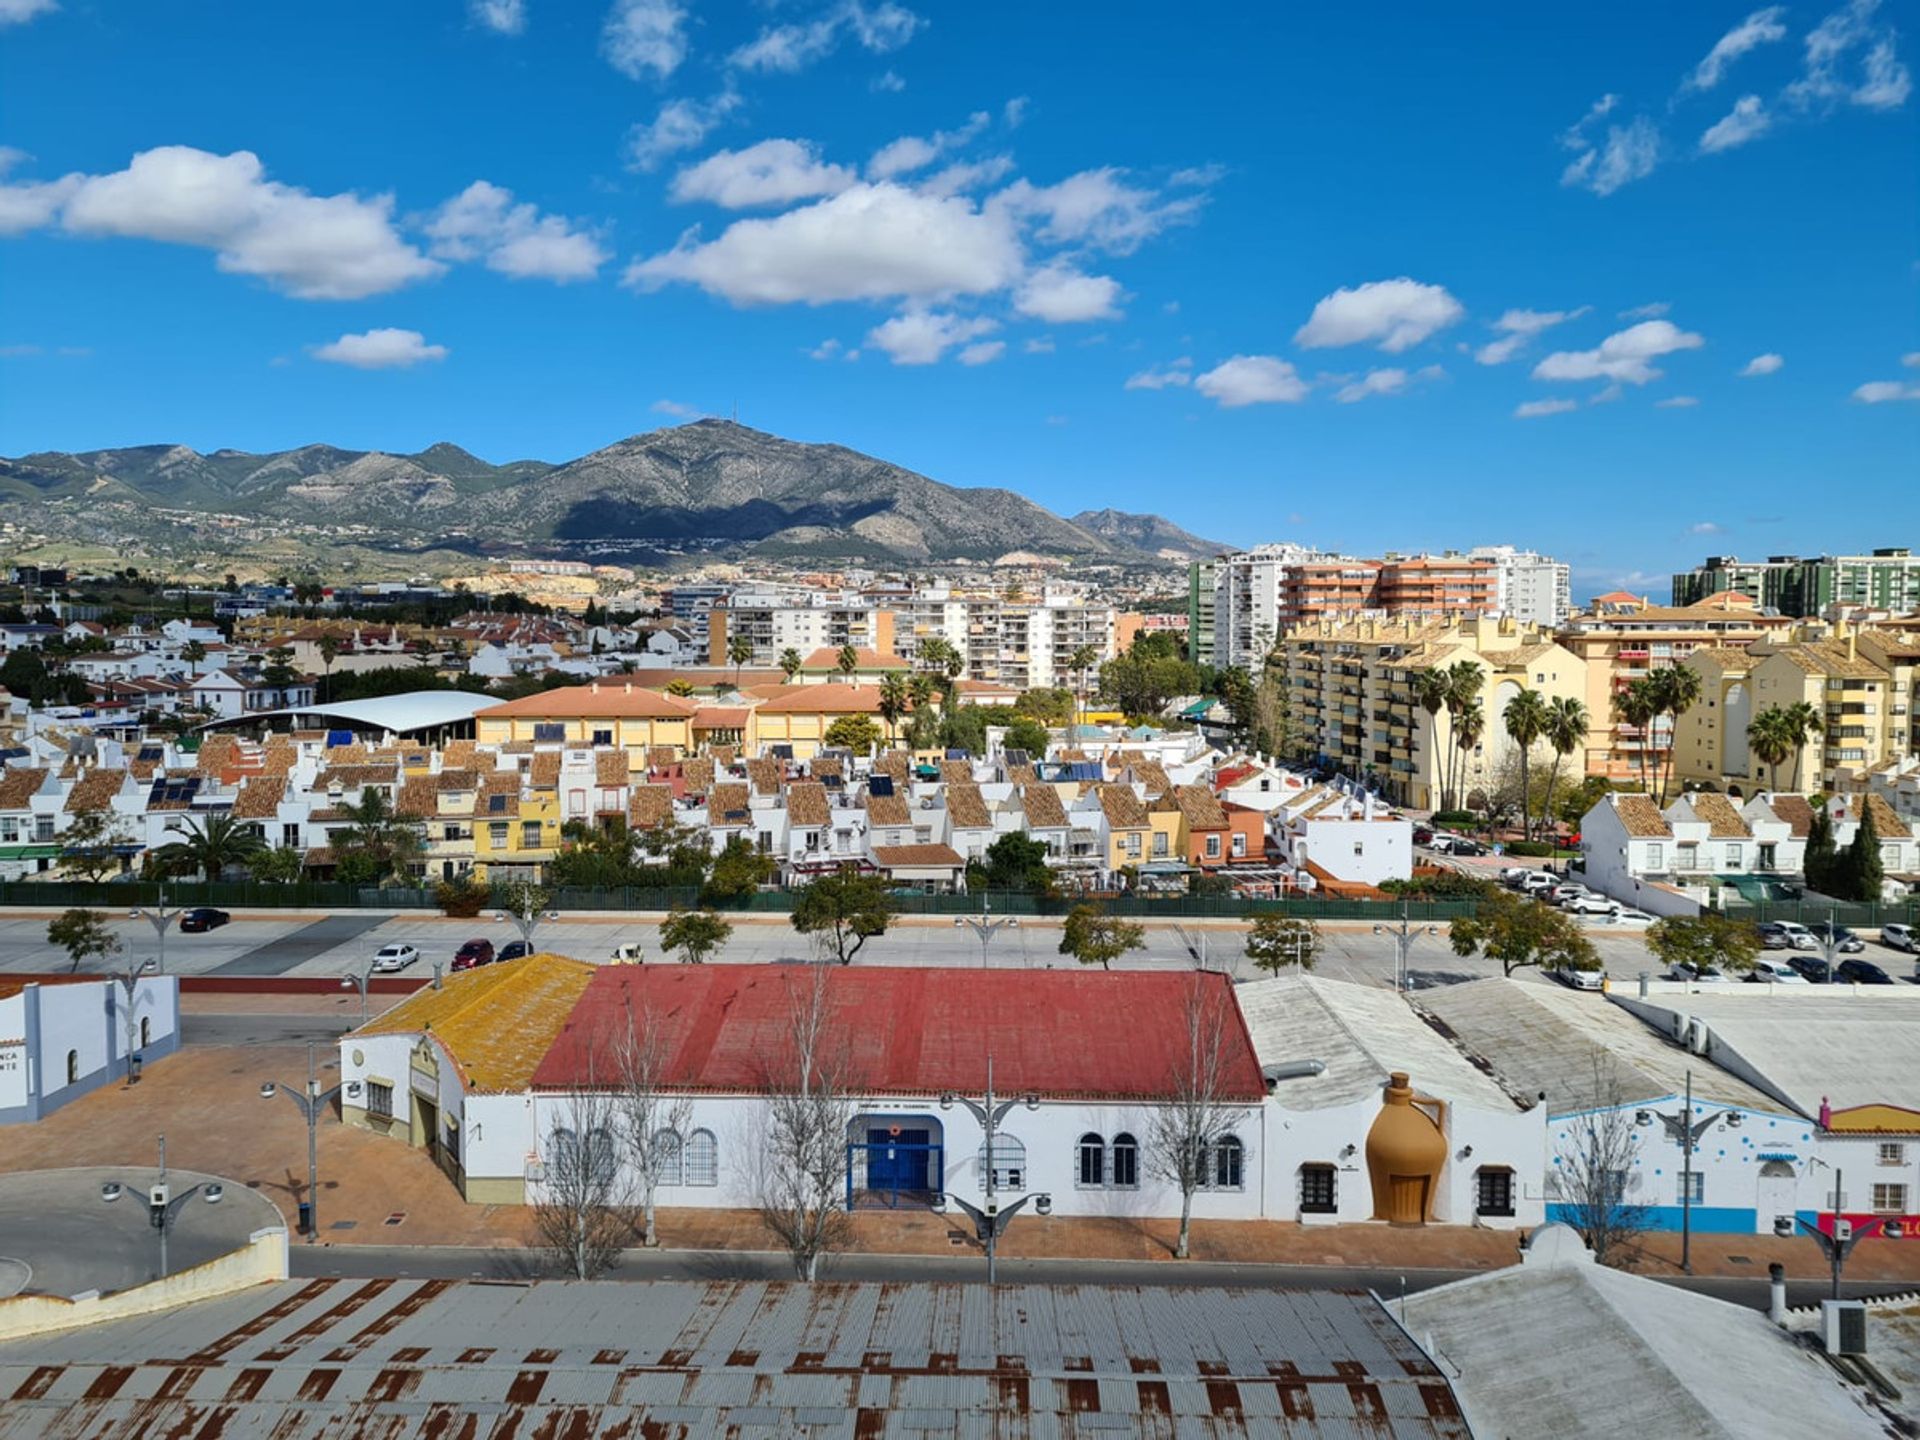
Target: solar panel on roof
[[957, 755], [338, 737], [783, 752], [880, 784], [1016, 757]]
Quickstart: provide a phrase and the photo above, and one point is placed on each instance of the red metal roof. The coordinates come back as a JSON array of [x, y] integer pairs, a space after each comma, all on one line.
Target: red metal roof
[[919, 1031]]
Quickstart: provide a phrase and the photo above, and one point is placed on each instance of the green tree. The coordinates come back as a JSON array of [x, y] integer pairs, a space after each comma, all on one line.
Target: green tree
[[1049, 707], [279, 667], [847, 661], [213, 844], [1519, 932], [1431, 688], [1028, 735], [376, 830], [329, 652], [857, 733], [1639, 706], [739, 651], [1801, 724], [1277, 941], [593, 855], [87, 845], [738, 871], [1676, 690], [1707, 939], [1566, 732], [680, 689], [844, 909], [893, 701], [1860, 873], [1821, 856], [1770, 736], [1464, 680], [1094, 937], [84, 935], [193, 652], [1080, 665], [1015, 861], [790, 663], [1468, 727], [693, 935], [1526, 719], [278, 865]]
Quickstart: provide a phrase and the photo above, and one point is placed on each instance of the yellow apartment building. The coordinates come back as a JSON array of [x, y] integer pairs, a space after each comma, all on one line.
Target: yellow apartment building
[[606, 712]]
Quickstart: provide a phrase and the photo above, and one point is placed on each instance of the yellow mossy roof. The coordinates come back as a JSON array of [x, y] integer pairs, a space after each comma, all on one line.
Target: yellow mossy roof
[[496, 1023]]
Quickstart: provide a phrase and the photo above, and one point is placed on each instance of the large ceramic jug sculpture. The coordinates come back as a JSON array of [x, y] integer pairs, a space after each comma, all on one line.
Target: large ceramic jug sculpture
[[1405, 1151]]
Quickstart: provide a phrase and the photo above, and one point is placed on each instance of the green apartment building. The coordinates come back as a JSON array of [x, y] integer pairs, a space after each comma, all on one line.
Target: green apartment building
[[1888, 579]]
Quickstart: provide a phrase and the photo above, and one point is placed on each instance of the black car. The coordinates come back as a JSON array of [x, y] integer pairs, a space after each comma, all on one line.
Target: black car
[[514, 950], [1467, 847], [202, 918], [1861, 972], [1812, 967]]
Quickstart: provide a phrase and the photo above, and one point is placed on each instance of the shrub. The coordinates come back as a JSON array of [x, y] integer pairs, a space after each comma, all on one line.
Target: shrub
[[1533, 849], [1463, 818], [461, 898]]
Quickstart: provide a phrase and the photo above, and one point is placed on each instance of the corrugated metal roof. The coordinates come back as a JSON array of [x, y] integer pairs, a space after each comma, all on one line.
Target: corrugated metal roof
[[404, 1359]]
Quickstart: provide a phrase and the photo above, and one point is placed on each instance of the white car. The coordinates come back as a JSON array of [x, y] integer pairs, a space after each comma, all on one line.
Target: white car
[[1899, 937], [1565, 891], [1630, 917], [1535, 882], [1582, 979], [1589, 903], [1798, 936], [1704, 975], [1768, 971], [395, 957]]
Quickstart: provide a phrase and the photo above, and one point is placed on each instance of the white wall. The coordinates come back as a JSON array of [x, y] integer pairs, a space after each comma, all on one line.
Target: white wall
[[1361, 852], [73, 1018], [13, 1052]]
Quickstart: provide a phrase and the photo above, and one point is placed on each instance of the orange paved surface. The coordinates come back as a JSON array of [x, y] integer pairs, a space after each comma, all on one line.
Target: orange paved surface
[[206, 1099]]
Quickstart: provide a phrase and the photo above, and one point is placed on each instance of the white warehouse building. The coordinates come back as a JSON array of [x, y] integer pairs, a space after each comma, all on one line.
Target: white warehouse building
[[61, 1039]]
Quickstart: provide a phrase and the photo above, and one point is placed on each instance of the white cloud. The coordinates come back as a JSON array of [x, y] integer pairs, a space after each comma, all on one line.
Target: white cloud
[[1878, 392], [774, 172], [1887, 83], [1388, 381], [676, 409], [505, 17], [1883, 83], [1762, 27], [1625, 356], [483, 223], [967, 175], [1748, 120], [1762, 365], [1097, 208], [1198, 175], [985, 352], [914, 152], [888, 82], [1677, 402], [1171, 376], [1520, 326], [1534, 409], [1630, 152], [1014, 112], [828, 349], [1039, 345], [792, 47], [1911, 359], [870, 242], [644, 35], [18, 12], [315, 247], [921, 337], [19, 352], [680, 125], [1651, 311], [28, 204], [380, 350], [1252, 380], [1397, 313], [1061, 295], [1705, 527]]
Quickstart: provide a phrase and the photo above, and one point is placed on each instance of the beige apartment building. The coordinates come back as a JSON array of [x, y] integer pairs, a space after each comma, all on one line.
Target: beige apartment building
[[1351, 692]]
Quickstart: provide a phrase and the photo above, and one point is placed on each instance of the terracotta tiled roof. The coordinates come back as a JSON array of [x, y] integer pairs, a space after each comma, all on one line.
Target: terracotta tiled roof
[[1152, 774], [828, 658], [600, 701], [216, 753], [95, 790], [967, 808], [1726, 657], [544, 773], [1723, 821], [825, 767], [721, 717], [354, 777], [1122, 807], [1888, 825], [830, 699], [957, 772], [1828, 658], [419, 797], [1021, 774], [888, 810], [1797, 811], [1519, 655], [727, 804], [1641, 817], [453, 780], [889, 857], [1044, 810], [495, 1023], [1200, 806], [896, 763], [723, 754], [649, 806], [807, 804], [764, 775], [699, 772], [458, 754], [260, 797], [499, 797], [610, 767], [350, 754], [19, 786]]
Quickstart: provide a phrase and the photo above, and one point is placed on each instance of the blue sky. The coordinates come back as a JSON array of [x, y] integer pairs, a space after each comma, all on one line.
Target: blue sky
[[1365, 277]]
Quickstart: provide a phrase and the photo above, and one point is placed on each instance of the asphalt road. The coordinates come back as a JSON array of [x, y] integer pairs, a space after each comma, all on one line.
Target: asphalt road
[[449, 1263]]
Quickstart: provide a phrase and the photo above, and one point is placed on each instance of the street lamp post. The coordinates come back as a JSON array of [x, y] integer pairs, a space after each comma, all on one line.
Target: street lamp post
[[163, 1206], [359, 980], [985, 926], [129, 983], [1838, 1244], [1404, 934], [1686, 1132], [990, 1218], [309, 1103], [527, 920], [161, 917]]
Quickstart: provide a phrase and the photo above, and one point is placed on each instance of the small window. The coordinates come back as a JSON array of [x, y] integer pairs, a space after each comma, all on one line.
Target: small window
[[667, 1147], [703, 1158], [603, 737], [1239, 844], [379, 1099], [601, 1157], [1692, 1189], [1889, 1199], [1228, 1157], [1126, 1162], [1317, 1192], [1892, 1152], [1009, 1162], [146, 1031], [73, 1067], [1093, 1161], [530, 834], [1493, 1191], [1213, 847], [497, 834]]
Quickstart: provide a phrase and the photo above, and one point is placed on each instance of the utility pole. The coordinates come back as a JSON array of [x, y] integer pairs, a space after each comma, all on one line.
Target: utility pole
[[989, 1219]]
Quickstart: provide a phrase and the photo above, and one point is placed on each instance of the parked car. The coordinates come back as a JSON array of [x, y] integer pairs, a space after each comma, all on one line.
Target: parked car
[[1624, 916], [1860, 972], [1768, 971], [1811, 968], [1844, 940], [473, 953], [514, 950], [627, 955], [1797, 936], [1536, 882], [1512, 875], [1592, 904], [1899, 937], [1423, 835], [396, 956], [1773, 936], [1582, 979], [1561, 891], [202, 918], [1471, 848], [1698, 975]]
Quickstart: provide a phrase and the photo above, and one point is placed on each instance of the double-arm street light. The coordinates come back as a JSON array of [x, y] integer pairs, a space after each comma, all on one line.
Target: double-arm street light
[[990, 1218], [985, 926], [359, 980], [163, 1206], [527, 919], [1838, 1244], [129, 1015], [161, 917], [309, 1103], [1404, 934], [1686, 1132]]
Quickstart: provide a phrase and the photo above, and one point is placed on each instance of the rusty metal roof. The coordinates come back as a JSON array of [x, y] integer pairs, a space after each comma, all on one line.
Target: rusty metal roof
[[400, 1359]]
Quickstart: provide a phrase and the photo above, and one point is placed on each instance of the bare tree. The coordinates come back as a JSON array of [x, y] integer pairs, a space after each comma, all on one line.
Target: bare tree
[[653, 1123], [1185, 1129], [583, 1211], [810, 1108], [1592, 1178]]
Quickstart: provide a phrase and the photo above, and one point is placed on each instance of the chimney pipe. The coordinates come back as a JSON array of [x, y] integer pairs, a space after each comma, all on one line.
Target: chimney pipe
[[1777, 1294], [436, 974]]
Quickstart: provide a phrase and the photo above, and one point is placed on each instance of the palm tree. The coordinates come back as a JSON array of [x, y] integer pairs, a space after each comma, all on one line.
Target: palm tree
[[790, 663], [1430, 694], [215, 842], [1566, 732], [1803, 723], [193, 652], [329, 652], [847, 661], [739, 651], [1079, 663], [1677, 689], [1638, 706], [1772, 737], [1464, 680], [893, 701], [920, 690], [375, 828], [1526, 721], [1468, 726]]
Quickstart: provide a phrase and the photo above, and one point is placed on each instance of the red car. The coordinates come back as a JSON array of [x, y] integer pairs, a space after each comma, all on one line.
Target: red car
[[474, 952]]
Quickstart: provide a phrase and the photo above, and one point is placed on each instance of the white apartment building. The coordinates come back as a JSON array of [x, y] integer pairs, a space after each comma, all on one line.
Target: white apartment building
[[774, 619], [1246, 600], [1532, 588], [1027, 643]]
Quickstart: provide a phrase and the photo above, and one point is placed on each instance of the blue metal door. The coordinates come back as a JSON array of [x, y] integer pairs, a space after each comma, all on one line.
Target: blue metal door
[[897, 1161]]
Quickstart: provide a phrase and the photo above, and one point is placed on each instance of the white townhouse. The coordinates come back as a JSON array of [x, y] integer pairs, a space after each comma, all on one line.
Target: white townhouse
[[61, 1039]]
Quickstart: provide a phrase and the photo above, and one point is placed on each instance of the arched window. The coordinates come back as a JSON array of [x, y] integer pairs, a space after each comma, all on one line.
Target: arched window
[[1093, 1160], [562, 1149], [1227, 1156], [601, 1159], [703, 1159], [146, 1031], [1009, 1162], [667, 1148], [1126, 1162], [73, 1067]]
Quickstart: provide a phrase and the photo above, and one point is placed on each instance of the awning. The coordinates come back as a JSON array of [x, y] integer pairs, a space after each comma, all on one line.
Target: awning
[[29, 852]]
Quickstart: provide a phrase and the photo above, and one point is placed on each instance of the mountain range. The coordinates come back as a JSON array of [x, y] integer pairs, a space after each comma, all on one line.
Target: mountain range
[[711, 484]]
